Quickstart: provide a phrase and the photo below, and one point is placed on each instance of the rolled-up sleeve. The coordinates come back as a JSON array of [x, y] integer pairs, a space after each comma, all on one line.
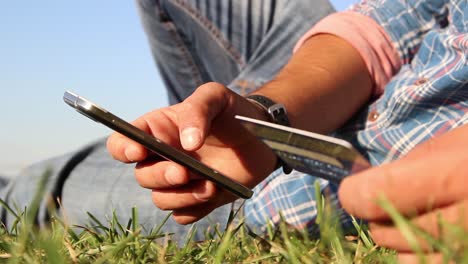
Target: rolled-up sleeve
[[386, 33], [405, 21]]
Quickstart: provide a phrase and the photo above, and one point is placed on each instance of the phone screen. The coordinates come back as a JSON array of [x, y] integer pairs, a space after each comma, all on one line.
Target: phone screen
[[154, 144]]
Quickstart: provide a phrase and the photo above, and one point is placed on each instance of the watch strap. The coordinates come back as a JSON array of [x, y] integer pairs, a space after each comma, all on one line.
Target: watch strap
[[277, 114]]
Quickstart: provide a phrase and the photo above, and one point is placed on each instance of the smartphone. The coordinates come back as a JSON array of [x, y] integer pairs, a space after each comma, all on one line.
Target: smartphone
[[154, 144], [315, 154]]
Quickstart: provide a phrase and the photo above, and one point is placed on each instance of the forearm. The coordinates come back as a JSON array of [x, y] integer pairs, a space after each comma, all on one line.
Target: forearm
[[323, 85]]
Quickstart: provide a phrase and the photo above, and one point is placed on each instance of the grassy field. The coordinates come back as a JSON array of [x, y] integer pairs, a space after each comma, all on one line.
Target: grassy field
[[115, 242]]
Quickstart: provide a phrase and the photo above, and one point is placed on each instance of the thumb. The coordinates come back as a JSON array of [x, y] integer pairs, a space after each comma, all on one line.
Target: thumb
[[195, 114]]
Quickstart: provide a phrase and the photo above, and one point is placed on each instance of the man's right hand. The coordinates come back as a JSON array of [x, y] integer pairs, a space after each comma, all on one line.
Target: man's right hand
[[428, 185], [204, 126]]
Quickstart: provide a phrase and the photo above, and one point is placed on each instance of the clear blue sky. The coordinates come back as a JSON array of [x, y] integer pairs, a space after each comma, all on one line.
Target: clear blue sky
[[94, 48]]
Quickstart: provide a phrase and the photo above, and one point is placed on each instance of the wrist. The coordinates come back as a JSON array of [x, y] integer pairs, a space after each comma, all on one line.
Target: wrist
[[276, 113], [260, 112]]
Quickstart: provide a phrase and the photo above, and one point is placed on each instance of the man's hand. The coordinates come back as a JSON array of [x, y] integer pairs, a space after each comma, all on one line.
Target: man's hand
[[428, 183], [204, 126]]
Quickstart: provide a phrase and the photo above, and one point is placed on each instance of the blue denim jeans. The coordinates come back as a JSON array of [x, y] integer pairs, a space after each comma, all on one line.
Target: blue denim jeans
[[240, 43]]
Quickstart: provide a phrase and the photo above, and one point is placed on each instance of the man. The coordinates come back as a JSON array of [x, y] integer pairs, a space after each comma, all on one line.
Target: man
[[379, 88], [243, 43], [387, 75]]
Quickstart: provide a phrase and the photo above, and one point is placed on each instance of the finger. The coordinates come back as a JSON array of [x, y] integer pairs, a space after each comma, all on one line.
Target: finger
[[126, 150], [158, 123], [186, 216], [432, 223], [194, 193], [162, 174], [409, 258], [430, 178], [195, 114]]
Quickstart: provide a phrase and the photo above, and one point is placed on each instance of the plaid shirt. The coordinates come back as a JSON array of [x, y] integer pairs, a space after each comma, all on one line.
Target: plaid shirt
[[427, 97]]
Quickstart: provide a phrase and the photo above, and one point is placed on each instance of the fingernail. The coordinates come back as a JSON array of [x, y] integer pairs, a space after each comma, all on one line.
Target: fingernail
[[190, 138], [200, 192], [132, 152], [172, 175]]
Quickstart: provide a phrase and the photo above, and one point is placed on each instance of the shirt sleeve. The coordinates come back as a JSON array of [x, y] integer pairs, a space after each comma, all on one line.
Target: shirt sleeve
[[405, 21], [386, 33]]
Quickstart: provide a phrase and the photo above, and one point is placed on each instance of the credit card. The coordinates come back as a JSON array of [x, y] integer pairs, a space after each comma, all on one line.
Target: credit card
[[315, 154]]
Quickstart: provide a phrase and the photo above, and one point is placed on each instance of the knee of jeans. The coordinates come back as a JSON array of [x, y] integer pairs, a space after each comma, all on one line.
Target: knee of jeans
[[148, 7], [148, 3]]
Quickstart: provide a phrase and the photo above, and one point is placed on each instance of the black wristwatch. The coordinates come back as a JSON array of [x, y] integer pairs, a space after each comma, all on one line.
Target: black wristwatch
[[277, 114]]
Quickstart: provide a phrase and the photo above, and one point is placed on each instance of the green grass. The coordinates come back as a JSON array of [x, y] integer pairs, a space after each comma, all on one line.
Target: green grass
[[115, 242]]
